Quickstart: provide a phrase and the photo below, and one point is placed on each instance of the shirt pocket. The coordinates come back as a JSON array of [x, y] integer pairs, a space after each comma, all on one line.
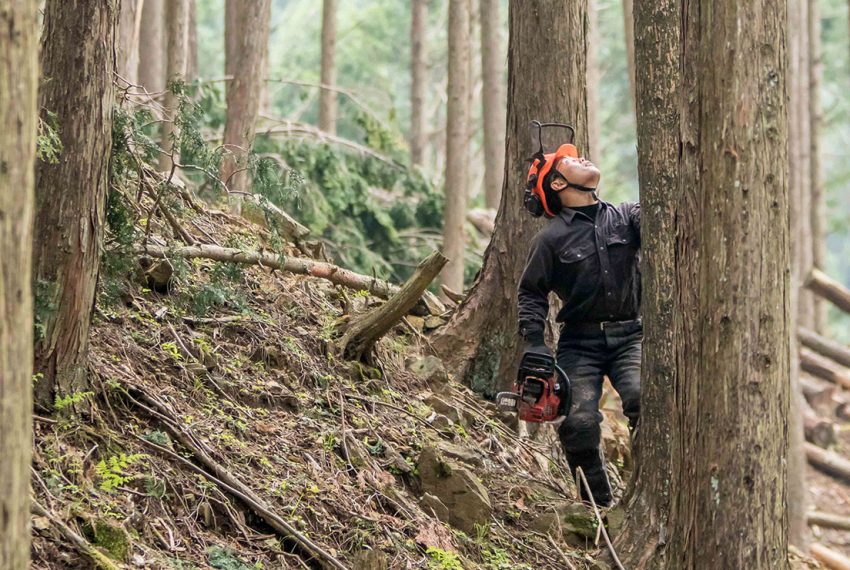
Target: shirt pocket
[[576, 253], [621, 235]]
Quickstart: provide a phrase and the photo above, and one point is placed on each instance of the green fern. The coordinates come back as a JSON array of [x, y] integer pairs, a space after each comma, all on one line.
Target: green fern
[[113, 470]]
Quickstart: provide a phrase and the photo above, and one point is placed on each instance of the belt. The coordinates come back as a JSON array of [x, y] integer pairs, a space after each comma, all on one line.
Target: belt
[[595, 327]]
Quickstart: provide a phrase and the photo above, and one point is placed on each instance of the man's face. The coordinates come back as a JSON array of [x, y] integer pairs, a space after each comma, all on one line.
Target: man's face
[[578, 171]]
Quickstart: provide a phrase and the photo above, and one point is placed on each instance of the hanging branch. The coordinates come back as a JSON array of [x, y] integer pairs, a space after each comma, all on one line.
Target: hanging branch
[[368, 328]]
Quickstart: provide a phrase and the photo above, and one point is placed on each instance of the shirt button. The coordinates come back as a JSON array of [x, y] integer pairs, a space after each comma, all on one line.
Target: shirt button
[[609, 294], [606, 272], [601, 247]]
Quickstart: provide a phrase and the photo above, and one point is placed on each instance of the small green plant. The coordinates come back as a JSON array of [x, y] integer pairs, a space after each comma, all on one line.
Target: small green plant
[[113, 470], [49, 143], [171, 349], [442, 560], [60, 403]]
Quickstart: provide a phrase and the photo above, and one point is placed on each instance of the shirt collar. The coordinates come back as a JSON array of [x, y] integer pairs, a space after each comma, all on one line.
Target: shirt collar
[[568, 213]]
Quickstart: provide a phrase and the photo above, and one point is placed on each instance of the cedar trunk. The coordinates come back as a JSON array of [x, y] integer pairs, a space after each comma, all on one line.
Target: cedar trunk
[[592, 82], [818, 201], [327, 97], [481, 341], [243, 95], [128, 40], [457, 147], [492, 60], [77, 63], [152, 44], [418, 80], [192, 42], [18, 120], [177, 18], [629, 29], [712, 155]]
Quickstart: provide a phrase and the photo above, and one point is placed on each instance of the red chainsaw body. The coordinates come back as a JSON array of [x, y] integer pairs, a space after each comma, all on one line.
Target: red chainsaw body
[[536, 399]]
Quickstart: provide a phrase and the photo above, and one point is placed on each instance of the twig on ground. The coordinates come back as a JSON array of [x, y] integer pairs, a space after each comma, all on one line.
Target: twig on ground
[[100, 560], [586, 485]]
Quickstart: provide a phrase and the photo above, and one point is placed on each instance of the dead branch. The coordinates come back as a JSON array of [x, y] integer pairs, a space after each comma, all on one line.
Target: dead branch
[[818, 430], [100, 560], [368, 328], [828, 288], [828, 462], [828, 520], [227, 481], [829, 558], [286, 224], [824, 346], [825, 368]]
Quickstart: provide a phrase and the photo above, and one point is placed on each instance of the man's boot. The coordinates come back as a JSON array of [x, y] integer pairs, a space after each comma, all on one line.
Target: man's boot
[[593, 466]]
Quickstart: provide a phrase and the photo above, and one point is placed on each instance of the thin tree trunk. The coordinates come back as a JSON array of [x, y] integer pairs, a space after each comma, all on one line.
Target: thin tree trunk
[[457, 150], [128, 39], [418, 80], [716, 467], [71, 195], [817, 205], [327, 97], [592, 81], [492, 60], [629, 27], [243, 96], [18, 124], [177, 18], [192, 42], [480, 342], [152, 46]]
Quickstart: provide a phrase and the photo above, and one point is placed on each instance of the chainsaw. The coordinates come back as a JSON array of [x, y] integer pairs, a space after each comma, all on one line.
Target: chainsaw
[[541, 392]]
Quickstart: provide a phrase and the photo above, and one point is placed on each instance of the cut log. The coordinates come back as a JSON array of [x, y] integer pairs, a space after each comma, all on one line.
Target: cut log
[[824, 346], [299, 265], [828, 520], [818, 430], [829, 558], [828, 288], [828, 462], [825, 368], [365, 330]]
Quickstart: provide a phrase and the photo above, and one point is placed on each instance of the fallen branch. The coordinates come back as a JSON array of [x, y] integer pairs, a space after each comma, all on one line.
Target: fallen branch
[[824, 346], [828, 462], [100, 560], [821, 367], [263, 212], [828, 520], [368, 328], [818, 394], [828, 288], [829, 558], [227, 481], [818, 430], [599, 519]]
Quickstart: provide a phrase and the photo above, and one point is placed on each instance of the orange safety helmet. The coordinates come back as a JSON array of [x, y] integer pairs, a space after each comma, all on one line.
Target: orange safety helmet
[[538, 198]]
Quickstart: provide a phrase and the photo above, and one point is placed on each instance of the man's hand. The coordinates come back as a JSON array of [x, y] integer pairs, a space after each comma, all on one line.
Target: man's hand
[[536, 348]]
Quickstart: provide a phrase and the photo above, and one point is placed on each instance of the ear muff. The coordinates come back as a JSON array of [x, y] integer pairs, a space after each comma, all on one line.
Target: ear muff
[[539, 171]]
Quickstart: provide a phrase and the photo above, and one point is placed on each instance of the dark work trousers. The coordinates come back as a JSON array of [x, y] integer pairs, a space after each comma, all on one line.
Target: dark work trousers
[[614, 351]]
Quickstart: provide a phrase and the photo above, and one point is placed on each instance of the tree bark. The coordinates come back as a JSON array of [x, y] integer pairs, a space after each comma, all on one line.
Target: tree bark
[[481, 342], [492, 60], [457, 149], [725, 291], [418, 80], [18, 126], [152, 46], [243, 96], [818, 199], [71, 195], [177, 18], [128, 39], [328, 97]]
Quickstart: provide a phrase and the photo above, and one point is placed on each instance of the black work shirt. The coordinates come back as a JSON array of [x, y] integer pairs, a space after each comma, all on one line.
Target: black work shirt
[[591, 264]]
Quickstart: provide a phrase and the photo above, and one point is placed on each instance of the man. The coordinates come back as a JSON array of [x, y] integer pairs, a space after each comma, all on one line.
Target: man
[[588, 255]]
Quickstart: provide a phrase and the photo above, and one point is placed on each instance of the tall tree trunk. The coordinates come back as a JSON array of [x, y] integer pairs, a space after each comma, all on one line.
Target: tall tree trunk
[[457, 148], [418, 80], [152, 46], [492, 59], [481, 341], [717, 288], [71, 195], [243, 96], [629, 28], [592, 81], [818, 201], [18, 120], [192, 42], [177, 19], [128, 39], [327, 97]]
